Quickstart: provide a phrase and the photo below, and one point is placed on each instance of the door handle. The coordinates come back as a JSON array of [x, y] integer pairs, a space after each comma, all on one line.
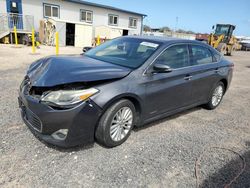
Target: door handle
[[188, 77], [216, 70]]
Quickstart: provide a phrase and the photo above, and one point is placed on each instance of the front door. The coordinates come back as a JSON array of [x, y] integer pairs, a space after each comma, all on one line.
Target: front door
[[167, 92], [14, 9]]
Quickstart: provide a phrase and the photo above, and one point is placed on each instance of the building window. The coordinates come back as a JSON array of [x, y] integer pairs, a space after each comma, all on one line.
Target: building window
[[133, 22], [51, 10], [113, 19], [86, 16]]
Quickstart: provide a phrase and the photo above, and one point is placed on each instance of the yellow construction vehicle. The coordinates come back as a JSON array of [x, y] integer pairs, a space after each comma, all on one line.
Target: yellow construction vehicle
[[222, 39]]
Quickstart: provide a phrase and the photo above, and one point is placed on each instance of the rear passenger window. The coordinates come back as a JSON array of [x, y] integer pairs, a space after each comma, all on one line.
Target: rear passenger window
[[175, 57], [200, 55]]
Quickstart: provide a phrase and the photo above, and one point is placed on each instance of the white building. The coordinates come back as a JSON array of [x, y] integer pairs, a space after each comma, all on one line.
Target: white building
[[76, 20]]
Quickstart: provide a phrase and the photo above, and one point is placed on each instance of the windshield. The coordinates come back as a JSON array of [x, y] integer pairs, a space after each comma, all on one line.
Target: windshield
[[127, 52], [222, 30]]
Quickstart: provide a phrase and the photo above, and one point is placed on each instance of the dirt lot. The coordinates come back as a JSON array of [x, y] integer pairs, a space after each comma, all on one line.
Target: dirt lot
[[163, 154]]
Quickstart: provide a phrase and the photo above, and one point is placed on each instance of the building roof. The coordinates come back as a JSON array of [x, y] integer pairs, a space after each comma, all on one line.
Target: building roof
[[105, 6]]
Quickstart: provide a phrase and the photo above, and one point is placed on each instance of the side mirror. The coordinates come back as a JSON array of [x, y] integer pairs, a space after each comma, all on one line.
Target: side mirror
[[213, 27], [161, 68], [85, 49], [120, 47]]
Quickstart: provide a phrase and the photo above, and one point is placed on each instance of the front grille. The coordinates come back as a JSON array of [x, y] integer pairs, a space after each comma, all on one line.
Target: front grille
[[32, 119]]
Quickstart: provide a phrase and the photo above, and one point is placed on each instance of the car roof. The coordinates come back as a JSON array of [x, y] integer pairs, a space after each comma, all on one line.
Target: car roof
[[171, 40], [165, 40]]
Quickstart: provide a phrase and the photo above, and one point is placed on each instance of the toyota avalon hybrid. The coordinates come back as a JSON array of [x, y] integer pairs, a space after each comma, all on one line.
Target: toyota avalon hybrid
[[126, 82]]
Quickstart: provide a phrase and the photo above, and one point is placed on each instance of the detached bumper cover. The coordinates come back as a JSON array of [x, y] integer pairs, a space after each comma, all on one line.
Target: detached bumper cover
[[43, 121]]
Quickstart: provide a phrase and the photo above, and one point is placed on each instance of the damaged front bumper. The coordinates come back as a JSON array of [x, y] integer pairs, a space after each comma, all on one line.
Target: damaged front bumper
[[75, 126]]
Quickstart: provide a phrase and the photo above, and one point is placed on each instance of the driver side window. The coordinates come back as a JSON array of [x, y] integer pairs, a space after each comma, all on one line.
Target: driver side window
[[175, 57]]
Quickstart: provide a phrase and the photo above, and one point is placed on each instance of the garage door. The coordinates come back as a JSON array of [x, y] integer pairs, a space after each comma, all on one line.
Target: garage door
[[83, 35], [114, 33], [107, 32]]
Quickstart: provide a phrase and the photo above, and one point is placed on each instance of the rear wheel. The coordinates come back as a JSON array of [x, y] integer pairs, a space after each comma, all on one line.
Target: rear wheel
[[216, 97], [116, 124]]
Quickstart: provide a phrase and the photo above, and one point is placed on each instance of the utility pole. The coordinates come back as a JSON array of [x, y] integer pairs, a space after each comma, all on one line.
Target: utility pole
[[176, 23]]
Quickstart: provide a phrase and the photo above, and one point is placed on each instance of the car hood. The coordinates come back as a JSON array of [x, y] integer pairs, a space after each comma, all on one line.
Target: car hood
[[59, 70]]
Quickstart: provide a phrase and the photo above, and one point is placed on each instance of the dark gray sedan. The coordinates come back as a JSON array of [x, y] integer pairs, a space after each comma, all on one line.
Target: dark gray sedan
[[126, 82]]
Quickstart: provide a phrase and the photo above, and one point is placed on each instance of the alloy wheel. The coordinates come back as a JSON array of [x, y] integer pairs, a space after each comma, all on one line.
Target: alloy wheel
[[217, 95], [121, 124]]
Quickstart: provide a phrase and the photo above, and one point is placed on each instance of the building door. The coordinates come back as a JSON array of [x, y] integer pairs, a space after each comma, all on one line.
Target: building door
[[14, 9], [124, 32], [70, 34], [83, 35]]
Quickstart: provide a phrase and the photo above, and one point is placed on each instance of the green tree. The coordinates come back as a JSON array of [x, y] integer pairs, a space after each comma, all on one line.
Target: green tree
[[165, 28], [184, 31], [146, 28]]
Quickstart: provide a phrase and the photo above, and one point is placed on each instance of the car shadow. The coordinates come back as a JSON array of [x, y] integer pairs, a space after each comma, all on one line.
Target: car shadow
[[167, 118], [145, 126], [227, 173], [71, 149]]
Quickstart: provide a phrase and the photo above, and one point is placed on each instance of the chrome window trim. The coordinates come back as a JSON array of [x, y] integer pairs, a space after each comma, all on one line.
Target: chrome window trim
[[189, 43]]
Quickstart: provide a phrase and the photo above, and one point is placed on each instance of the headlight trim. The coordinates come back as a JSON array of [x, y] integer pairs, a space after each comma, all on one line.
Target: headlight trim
[[68, 97]]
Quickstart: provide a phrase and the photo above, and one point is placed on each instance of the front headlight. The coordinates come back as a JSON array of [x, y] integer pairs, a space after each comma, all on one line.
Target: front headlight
[[68, 97]]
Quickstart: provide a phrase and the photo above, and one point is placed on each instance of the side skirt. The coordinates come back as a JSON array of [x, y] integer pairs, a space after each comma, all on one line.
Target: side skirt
[[169, 113]]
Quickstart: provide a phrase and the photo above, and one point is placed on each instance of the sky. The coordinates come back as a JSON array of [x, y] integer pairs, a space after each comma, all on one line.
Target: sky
[[195, 15]]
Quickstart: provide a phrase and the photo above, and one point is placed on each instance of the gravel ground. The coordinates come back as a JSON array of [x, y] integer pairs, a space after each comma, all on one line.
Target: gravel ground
[[162, 154]]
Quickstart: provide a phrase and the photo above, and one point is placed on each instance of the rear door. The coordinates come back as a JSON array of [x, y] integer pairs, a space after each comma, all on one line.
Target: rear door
[[204, 72], [169, 91]]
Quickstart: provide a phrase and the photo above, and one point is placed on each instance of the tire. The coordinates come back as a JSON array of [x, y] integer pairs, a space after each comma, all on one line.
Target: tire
[[214, 104], [108, 129], [231, 51], [222, 48]]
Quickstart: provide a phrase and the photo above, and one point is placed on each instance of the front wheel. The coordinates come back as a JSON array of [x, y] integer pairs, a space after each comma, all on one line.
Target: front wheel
[[216, 97], [231, 51], [116, 124], [222, 48]]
